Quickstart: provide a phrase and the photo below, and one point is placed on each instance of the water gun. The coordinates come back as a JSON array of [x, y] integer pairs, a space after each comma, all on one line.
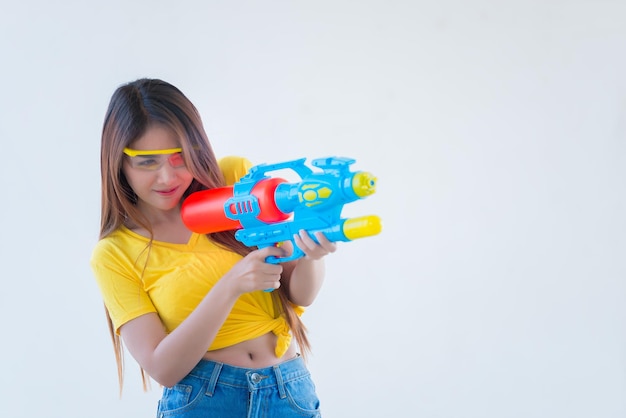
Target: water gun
[[268, 210]]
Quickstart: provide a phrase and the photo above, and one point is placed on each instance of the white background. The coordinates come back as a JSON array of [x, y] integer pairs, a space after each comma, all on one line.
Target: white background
[[497, 131]]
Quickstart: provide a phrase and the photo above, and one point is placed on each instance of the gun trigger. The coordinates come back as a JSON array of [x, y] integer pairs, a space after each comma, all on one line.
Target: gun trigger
[[273, 260]]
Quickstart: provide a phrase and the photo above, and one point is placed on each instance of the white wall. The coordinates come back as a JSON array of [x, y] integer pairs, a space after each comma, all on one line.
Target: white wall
[[497, 131]]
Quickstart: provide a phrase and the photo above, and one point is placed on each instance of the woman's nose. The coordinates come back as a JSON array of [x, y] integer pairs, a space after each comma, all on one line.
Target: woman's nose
[[166, 173]]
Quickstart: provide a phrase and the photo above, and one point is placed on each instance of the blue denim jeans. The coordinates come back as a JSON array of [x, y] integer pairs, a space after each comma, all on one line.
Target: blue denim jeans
[[218, 390]]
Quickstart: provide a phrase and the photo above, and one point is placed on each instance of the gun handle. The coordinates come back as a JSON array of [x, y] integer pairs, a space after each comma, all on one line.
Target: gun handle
[[297, 253]]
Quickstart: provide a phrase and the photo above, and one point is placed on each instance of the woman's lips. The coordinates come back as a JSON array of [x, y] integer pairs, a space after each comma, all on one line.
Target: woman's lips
[[167, 193]]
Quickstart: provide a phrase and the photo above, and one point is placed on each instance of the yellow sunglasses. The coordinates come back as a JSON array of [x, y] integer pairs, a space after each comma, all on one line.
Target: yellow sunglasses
[[135, 152], [152, 160]]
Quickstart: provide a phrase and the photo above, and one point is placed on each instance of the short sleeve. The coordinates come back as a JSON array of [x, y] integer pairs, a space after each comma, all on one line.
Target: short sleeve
[[120, 286]]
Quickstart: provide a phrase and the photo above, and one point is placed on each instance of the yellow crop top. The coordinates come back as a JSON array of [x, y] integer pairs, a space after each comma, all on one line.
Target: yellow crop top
[[172, 279]]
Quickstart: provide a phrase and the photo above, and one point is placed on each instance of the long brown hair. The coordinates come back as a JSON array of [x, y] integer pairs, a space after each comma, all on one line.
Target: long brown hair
[[133, 108]]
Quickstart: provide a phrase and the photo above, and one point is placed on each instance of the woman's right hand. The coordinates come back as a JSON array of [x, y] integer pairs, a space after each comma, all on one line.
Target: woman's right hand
[[254, 273]]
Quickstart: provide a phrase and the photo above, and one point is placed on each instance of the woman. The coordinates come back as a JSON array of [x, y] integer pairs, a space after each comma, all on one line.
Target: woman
[[191, 309]]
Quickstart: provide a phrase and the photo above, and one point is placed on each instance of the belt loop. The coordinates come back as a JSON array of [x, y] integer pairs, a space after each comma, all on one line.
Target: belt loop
[[217, 368], [279, 382]]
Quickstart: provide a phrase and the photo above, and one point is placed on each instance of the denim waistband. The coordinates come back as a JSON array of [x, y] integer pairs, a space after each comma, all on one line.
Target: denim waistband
[[242, 377]]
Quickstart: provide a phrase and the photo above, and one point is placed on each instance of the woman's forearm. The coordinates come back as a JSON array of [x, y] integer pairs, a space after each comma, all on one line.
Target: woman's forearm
[[174, 355], [169, 357], [306, 281]]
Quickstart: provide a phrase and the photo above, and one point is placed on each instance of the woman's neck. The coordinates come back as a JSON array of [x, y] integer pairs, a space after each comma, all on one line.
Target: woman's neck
[[167, 226]]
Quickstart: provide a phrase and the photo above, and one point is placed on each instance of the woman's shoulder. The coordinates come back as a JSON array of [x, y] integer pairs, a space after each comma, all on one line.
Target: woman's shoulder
[[234, 168], [115, 245]]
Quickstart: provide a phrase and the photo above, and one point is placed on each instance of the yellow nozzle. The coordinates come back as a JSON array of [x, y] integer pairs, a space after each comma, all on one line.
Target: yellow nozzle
[[364, 226], [363, 184]]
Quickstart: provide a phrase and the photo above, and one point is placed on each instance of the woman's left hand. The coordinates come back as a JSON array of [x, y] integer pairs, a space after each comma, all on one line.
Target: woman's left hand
[[311, 249]]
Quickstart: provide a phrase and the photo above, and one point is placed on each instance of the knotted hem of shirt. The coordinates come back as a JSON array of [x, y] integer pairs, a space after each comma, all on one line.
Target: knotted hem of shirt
[[283, 342]]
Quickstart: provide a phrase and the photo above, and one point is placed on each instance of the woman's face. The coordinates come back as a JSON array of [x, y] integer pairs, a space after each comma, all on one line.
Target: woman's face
[[159, 179]]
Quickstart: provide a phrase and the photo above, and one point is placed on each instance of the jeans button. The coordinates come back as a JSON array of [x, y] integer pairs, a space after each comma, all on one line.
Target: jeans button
[[256, 378]]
